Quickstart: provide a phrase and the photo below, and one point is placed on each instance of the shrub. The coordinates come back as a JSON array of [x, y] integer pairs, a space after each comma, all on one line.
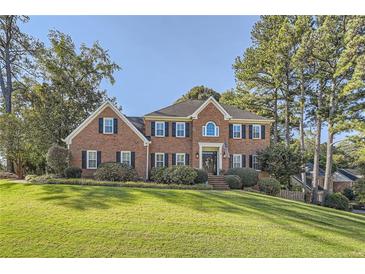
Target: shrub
[[202, 176], [8, 175], [337, 200], [349, 193], [269, 186], [157, 174], [179, 175], [249, 176], [72, 172], [30, 177], [57, 158], [115, 172], [360, 190], [43, 179], [233, 181]]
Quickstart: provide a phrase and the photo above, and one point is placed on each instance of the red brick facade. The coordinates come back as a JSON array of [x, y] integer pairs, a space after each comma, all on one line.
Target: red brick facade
[[126, 139]]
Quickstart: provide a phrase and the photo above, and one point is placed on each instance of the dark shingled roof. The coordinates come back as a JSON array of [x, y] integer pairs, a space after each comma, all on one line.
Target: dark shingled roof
[[186, 108], [137, 122]]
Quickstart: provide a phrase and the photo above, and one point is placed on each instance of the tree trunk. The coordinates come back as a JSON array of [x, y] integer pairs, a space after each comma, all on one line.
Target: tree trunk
[[329, 153], [287, 112], [276, 133], [301, 127]]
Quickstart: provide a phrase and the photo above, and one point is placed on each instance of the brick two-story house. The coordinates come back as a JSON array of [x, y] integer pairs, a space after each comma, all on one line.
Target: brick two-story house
[[202, 134]]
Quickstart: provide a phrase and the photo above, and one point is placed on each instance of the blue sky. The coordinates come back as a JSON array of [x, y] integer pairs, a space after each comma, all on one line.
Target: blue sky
[[161, 57]]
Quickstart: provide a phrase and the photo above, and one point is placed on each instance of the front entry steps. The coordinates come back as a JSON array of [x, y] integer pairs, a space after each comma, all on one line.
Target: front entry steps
[[218, 182]]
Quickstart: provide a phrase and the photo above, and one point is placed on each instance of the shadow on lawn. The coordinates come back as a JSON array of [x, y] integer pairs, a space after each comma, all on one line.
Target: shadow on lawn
[[85, 197]]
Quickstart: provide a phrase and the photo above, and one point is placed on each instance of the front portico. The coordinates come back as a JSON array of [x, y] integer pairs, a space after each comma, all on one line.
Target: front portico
[[210, 157]]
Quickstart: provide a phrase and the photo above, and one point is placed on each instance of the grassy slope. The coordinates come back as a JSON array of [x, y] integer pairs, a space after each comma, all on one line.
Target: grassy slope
[[84, 221]]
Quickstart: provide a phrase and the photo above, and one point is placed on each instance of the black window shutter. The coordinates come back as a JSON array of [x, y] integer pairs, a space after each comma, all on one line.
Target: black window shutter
[[187, 129], [101, 125], [230, 161], [173, 133], [152, 128], [83, 159], [99, 158], [166, 129], [117, 156], [243, 160], [262, 132], [243, 131], [250, 131], [173, 159], [133, 159], [152, 160], [115, 125], [250, 162], [166, 159], [187, 160], [230, 131]]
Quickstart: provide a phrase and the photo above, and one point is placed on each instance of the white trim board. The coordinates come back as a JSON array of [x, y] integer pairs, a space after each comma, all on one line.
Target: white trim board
[[216, 104], [68, 139]]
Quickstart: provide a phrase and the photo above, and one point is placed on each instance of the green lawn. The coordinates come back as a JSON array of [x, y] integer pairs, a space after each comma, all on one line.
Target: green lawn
[[91, 221]]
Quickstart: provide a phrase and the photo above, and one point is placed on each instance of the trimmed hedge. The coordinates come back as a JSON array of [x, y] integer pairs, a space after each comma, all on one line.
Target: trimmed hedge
[[73, 172], [349, 193], [249, 176], [269, 186], [174, 175], [337, 200], [202, 176], [233, 181], [115, 172], [92, 182]]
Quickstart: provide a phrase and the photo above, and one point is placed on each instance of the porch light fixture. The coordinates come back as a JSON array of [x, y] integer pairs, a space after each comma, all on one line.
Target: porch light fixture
[[197, 155]]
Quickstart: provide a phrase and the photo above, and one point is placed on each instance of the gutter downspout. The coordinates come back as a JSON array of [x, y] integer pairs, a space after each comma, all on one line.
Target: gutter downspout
[[147, 162]]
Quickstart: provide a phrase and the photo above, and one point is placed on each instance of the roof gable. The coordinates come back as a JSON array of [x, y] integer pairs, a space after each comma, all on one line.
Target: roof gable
[[89, 119], [211, 99]]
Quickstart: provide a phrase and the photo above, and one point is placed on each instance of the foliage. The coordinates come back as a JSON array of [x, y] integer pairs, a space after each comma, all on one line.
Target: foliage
[[349, 193], [72, 172], [157, 174], [233, 181], [41, 179], [281, 161], [199, 93], [179, 175], [249, 176], [115, 172], [359, 190], [57, 158], [337, 200], [45, 179], [269, 186], [202, 176]]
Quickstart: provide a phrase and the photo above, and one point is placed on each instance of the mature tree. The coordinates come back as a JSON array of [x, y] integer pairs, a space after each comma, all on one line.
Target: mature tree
[[199, 93], [281, 161]]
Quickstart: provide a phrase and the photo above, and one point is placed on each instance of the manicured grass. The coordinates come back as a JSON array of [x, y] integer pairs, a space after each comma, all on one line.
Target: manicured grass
[[93, 221]]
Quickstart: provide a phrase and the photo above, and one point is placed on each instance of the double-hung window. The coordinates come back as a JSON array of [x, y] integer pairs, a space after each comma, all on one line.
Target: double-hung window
[[255, 162], [237, 160], [180, 129], [160, 159], [237, 131], [108, 125], [92, 156], [256, 131], [125, 157], [160, 129], [180, 159]]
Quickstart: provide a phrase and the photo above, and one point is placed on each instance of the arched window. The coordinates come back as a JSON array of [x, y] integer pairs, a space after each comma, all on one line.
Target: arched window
[[210, 129]]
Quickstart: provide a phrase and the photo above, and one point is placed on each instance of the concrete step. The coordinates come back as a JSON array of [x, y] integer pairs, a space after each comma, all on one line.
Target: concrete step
[[218, 182]]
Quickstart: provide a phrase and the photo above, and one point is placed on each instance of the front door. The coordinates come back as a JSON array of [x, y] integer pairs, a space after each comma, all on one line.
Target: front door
[[210, 162]]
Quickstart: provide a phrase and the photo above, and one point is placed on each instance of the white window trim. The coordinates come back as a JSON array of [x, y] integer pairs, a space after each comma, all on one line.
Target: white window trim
[[240, 131], [130, 157], [108, 118], [176, 131], [216, 131], [253, 162], [87, 159], [240, 157], [163, 127], [253, 135], [163, 157], [179, 154]]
